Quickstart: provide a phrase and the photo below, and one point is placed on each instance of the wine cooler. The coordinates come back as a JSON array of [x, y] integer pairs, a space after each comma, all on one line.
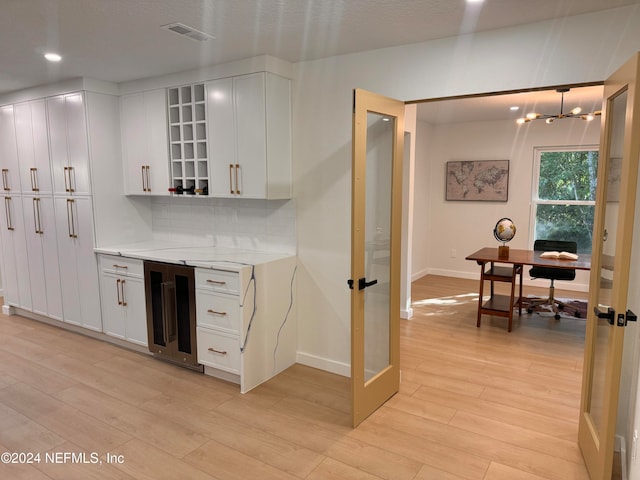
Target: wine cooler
[[171, 313]]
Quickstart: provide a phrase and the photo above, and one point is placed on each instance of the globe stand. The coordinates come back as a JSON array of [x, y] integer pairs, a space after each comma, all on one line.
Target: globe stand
[[503, 252]]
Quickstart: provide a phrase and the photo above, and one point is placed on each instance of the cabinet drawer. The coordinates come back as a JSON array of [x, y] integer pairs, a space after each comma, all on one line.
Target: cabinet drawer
[[218, 311], [219, 350], [217, 281], [121, 265]]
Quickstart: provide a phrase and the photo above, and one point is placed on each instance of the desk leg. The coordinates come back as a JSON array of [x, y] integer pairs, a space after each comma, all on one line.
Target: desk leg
[[481, 293]]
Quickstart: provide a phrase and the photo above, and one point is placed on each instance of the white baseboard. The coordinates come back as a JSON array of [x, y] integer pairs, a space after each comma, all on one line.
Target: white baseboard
[[621, 446], [406, 313], [325, 364]]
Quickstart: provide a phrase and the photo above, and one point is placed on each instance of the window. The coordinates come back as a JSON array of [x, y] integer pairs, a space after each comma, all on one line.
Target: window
[[564, 194]]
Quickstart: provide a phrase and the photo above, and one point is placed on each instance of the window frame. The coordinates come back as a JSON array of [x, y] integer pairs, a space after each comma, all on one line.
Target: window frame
[[535, 200]]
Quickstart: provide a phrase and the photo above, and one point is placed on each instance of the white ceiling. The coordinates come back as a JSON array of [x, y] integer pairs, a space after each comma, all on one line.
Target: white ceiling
[[121, 40]]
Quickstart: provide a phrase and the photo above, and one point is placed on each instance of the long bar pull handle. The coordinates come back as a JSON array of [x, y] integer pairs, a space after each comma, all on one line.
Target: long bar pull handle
[[237, 184], [147, 168], [7, 208], [118, 290], [144, 183], [70, 221], [71, 176], [34, 179], [220, 352], [115, 265], [216, 282], [124, 302], [5, 180], [213, 312], [231, 178], [66, 179], [36, 216], [163, 301]]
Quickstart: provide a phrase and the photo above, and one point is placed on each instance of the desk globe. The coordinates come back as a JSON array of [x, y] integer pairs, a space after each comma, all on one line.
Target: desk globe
[[504, 231]]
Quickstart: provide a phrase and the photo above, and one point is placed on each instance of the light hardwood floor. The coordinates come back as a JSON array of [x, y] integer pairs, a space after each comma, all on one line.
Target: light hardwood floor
[[473, 404]]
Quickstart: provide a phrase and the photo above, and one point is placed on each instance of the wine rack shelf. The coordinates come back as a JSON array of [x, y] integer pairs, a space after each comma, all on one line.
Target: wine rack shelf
[[188, 139]]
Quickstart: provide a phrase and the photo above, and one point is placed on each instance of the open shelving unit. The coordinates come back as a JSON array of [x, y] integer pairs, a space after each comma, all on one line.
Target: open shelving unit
[[188, 138]]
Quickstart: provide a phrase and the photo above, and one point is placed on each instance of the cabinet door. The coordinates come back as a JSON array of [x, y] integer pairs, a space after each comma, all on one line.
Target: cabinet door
[[9, 266], [44, 272], [249, 97], [135, 312], [112, 310], [145, 143], [69, 144], [134, 143], [157, 151], [222, 137], [8, 152], [78, 270], [15, 254], [33, 147]]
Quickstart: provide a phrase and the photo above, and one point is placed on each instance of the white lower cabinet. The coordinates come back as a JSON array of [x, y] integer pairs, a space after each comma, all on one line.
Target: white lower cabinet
[[17, 288], [246, 327], [44, 271], [78, 269], [122, 297]]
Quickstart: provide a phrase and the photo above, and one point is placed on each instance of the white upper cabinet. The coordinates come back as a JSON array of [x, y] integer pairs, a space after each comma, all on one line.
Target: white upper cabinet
[[249, 123], [33, 147], [8, 152], [145, 154], [69, 144]]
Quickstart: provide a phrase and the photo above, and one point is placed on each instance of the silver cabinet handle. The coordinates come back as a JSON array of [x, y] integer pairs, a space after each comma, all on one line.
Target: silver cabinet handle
[[7, 208]]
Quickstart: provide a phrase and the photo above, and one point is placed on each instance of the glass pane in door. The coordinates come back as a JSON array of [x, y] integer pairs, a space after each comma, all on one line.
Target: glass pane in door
[[612, 202], [379, 160]]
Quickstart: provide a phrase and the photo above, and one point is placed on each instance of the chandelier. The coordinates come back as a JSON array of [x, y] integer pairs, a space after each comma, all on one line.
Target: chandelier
[[575, 113]]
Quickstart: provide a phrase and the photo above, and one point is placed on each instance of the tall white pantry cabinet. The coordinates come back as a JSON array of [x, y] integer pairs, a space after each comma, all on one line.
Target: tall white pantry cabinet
[[61, 155]]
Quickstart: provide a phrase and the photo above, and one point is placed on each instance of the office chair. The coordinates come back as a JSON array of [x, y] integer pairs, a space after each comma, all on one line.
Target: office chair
[[552, 274]]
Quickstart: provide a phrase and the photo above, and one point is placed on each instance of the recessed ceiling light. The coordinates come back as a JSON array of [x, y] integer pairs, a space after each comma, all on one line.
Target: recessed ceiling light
[[514, 108], [52, 57], [475, 1]]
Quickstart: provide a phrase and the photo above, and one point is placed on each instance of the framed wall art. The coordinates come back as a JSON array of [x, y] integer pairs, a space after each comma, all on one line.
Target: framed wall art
[[477, 180]]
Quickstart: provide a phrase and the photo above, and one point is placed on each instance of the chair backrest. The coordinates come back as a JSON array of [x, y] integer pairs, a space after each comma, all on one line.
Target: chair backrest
[[550, 272], [555, 245]]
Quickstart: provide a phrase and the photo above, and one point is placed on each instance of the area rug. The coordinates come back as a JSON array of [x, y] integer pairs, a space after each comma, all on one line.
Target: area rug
[[579, 306]]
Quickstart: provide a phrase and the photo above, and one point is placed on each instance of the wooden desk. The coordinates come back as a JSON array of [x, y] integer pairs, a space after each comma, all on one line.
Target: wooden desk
[[502, 305]]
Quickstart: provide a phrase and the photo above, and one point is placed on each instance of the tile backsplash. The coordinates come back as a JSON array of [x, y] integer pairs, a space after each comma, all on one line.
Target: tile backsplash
[[264, 225]]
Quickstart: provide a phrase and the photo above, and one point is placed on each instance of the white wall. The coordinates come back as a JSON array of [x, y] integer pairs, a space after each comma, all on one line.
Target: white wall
[[585, 48], [474, 221]]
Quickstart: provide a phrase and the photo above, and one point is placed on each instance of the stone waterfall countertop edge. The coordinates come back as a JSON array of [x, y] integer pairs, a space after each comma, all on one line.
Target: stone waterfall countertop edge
[[223, 258]]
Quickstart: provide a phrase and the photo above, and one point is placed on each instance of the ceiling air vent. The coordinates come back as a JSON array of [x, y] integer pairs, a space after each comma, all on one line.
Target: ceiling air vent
[[186, 31]]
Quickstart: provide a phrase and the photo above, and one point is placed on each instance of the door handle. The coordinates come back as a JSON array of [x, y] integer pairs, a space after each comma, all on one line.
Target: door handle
[[362, 283], [237, 184], [70, 222], [146, 169], [5, 179], [118, 290], [7, 209], [609, 315], [124, 302], [34, 179]]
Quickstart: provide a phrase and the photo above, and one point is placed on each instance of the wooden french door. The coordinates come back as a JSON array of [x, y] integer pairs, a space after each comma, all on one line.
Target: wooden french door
[[378, 134], [609, 281]]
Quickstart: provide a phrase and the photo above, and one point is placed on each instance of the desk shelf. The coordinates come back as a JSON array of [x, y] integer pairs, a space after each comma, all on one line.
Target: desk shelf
[[498, 304]]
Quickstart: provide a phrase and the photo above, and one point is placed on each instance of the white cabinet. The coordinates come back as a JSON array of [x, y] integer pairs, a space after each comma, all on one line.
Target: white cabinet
[[246, 327], [15, 270], [69, 144], [33, 147], [145, 156], [78, 269], [249, 125], [8, 152], [44, 272], [123, 300]]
